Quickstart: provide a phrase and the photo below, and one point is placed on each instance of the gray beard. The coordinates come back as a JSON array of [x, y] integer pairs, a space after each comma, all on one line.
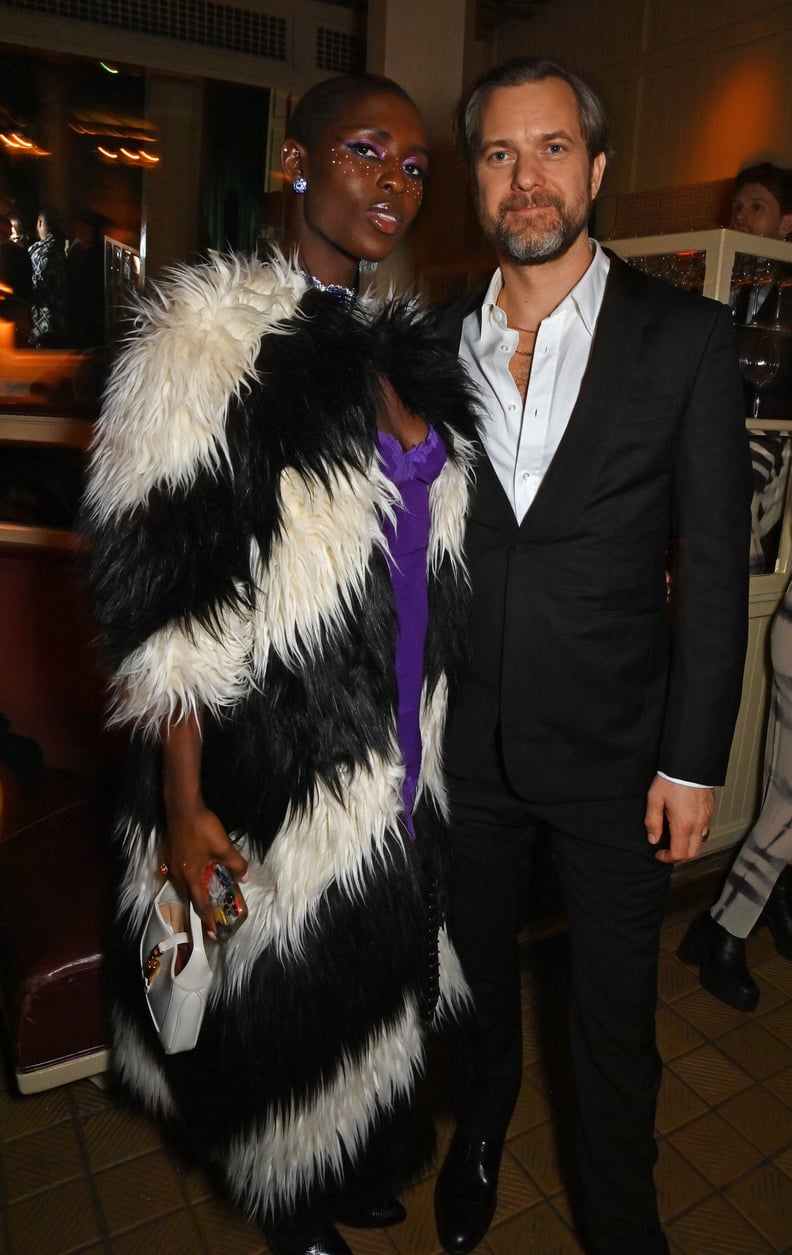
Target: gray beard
[[531, 248]]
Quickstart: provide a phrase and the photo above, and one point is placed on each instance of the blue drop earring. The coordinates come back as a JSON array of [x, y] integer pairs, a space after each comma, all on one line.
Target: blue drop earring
[[300, 185]]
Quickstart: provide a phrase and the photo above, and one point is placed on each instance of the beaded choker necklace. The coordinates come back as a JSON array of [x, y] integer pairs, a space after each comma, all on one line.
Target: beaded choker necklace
[[344, 296]]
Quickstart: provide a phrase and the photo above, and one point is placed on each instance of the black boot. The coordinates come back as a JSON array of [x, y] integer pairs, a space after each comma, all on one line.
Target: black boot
[[778, 913], [467, 1192], [720, 958], [368, 1211], [306, 1235]]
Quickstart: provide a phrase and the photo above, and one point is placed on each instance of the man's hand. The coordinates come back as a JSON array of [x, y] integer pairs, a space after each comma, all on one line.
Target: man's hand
[[688, 811]]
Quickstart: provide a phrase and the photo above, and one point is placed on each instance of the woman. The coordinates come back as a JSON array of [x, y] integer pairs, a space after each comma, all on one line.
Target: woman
[[48, 262], [277, 497], [759, 884]]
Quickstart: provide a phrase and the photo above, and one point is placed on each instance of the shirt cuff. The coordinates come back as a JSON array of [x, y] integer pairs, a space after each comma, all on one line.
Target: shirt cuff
[[688, 783]]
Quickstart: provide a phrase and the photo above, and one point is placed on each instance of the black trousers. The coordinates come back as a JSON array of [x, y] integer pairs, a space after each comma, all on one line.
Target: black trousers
[[615, 892]]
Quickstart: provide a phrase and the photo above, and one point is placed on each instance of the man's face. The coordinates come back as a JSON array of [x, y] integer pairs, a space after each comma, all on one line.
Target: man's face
[[533, 177], [756, 211]]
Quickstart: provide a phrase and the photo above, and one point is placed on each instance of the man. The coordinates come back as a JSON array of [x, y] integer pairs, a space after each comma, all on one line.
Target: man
[[762, 201], [613, 425]]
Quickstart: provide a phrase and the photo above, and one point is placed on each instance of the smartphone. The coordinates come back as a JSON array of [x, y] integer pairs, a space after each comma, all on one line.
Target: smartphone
[[229, 908]]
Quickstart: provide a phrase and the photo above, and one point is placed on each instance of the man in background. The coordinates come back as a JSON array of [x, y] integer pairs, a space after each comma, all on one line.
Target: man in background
[[762, 201]]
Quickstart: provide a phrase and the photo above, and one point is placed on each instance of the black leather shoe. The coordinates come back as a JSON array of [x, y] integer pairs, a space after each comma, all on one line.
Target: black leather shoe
[[306, 1235], [368, 1211], [778, 913], [720, 958], [466, 1192]]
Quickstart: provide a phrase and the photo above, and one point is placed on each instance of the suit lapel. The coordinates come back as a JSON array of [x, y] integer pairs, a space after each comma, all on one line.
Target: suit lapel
[[568, 481], [489, 504]]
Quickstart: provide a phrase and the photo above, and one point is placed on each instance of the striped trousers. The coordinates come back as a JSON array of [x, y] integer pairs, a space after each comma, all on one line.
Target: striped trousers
[[768, 846]]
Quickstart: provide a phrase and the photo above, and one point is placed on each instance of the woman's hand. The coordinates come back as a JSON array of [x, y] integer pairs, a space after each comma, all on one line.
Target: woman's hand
[[195, 837], [194, 841], [396, 420]]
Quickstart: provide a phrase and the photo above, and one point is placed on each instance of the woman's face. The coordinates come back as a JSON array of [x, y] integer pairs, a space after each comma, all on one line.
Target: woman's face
[[365, 178]]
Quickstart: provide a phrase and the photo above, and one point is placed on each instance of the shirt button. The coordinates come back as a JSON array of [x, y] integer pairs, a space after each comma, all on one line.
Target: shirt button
[[512, 408], [526, 477], [504, 348]]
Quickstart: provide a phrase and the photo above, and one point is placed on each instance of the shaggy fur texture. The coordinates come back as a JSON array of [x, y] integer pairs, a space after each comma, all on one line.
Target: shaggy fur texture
[[236, 502]]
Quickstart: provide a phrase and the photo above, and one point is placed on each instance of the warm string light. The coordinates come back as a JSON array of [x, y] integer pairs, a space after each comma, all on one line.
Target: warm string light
[[15, 142], [122, 132], [127, 157], [112, 130]]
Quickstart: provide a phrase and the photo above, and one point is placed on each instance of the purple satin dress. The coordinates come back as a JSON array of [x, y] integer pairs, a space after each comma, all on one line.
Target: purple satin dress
[[412, 471]]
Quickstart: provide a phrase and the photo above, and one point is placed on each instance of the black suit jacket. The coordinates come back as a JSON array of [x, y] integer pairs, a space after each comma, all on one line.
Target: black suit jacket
[[590, 679]]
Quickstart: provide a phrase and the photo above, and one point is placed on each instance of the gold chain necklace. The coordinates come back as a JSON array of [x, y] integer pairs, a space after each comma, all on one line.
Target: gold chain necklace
[[528, 331]]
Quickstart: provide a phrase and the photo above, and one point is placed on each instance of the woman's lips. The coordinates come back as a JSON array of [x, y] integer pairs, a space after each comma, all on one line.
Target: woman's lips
[[384, 219]]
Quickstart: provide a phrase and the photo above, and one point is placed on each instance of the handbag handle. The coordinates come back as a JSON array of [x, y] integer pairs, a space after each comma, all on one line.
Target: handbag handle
[[197, 930]]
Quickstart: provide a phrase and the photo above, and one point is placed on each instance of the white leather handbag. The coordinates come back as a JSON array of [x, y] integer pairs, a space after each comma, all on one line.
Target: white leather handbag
[[176, 999]]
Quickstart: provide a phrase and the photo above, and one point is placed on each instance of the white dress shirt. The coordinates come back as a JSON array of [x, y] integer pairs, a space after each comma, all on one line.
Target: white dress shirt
[[521, 439]]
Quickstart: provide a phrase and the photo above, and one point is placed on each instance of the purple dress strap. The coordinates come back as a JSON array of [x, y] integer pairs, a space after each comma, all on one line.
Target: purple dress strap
[[412, 471]]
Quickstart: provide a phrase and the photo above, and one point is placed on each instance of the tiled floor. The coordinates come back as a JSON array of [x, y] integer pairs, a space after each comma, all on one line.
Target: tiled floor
[[80, 1172]]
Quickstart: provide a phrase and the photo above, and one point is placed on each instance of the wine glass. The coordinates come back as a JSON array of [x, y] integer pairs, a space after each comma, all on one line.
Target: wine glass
[[764, 276], [759, 361], [741, 281]]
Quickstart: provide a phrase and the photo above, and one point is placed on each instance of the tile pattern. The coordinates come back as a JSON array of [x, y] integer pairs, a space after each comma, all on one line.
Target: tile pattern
[[82, 1172]]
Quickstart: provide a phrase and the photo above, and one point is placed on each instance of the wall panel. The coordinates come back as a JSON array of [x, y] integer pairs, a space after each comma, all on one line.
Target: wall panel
[[694, 89]]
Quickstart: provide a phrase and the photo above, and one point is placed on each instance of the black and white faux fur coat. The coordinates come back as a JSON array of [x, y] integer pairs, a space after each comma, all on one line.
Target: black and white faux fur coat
[[235, 502]]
